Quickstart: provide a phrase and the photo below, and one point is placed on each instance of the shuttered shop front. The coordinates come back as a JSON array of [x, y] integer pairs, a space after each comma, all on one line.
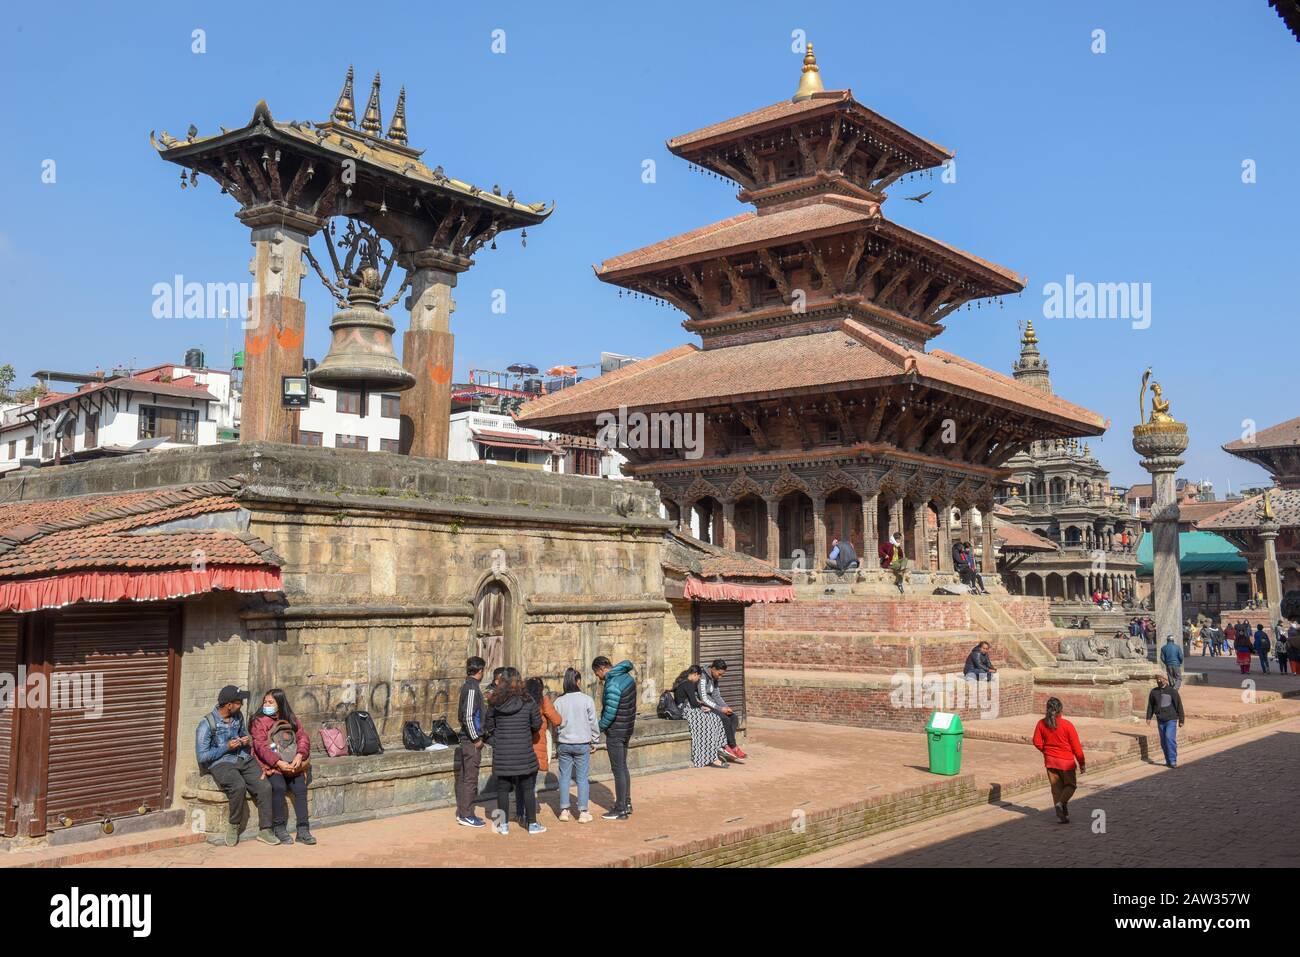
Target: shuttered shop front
[[720, 633], [112, 710], [10, 633]]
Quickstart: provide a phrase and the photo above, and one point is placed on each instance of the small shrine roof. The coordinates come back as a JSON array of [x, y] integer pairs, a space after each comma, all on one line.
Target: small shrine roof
[[1019, 539]]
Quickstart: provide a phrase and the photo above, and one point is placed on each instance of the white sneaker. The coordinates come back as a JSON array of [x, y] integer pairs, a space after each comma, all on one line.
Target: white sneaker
[[565, 816], [585, 818]]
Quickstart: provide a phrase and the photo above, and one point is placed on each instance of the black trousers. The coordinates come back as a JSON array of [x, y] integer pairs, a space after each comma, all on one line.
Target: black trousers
[[280, 788], [241, 777], [525, 784], [729, 725], [617, 750], [466, 763]]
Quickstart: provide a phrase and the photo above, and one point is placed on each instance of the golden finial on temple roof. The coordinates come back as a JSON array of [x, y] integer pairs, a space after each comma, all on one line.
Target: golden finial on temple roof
[[1030, 338], [372, 122], [397, 128], [345, 110], [810, 80]]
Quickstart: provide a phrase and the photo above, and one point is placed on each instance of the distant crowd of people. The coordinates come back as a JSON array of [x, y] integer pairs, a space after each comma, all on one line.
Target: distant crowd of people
[[1247, 644]]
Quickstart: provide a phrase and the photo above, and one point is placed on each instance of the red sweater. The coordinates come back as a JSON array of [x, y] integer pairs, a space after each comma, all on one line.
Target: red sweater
[[260, 729], [1060, 747]]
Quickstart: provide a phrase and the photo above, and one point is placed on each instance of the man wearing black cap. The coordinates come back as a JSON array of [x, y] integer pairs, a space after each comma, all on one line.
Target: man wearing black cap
[[223, 747]]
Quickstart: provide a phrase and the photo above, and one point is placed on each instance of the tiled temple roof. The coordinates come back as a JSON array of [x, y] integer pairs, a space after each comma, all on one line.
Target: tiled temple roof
[[1245, 514], [1275, 436], [845, 358]]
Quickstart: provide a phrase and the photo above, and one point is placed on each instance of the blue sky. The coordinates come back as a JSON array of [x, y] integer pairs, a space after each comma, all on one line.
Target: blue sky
[[1123, 166]]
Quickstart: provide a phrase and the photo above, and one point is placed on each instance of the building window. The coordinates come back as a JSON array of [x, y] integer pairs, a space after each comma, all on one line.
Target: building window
[[314, 439], [174, 425], [390, 406], [92, 430], [583, 462], [350, 442], [13, 448], [349, 402], [391, 445], [31, 445]]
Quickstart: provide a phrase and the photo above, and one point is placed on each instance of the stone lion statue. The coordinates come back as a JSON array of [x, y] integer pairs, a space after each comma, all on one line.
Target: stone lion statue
[[1084, 648]]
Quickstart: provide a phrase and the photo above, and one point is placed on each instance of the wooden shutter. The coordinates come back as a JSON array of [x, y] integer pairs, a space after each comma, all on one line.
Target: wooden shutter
[[123, 759], [10, 635], [720, 633]]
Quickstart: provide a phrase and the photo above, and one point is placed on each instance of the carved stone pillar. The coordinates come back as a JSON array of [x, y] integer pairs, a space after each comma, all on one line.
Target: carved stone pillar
[[944, 536], [921, 535], [729, 525], [870, 557], [896, 517], [773, 531], [968, 525], [818, 561], [428, 351], [275, 328], [684, 519], [1268, 531], [988, 560]]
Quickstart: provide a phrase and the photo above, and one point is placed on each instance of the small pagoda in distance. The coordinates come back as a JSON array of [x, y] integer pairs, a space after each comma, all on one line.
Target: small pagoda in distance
[[824, 414]]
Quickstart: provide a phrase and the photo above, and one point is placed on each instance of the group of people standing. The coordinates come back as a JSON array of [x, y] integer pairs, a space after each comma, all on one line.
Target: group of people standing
[[515, 717], [1239, 639]]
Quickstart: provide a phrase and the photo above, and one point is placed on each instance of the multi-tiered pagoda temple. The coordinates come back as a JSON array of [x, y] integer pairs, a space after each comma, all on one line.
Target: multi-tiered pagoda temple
[[825, 415]]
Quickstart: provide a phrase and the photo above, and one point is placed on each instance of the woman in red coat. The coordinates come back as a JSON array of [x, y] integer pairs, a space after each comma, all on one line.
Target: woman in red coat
[[1059, 742], [284, 755]]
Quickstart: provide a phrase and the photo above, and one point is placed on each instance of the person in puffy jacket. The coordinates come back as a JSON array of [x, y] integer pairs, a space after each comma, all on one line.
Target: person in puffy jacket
[[512, 718], [617, 722], [288, 773], [550, 719]]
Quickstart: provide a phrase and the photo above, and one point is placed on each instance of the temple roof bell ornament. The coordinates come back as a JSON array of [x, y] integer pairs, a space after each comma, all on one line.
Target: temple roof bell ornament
[[810, 80]]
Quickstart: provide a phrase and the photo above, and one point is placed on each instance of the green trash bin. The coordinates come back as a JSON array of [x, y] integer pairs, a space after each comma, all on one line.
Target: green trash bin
[[944, 734]]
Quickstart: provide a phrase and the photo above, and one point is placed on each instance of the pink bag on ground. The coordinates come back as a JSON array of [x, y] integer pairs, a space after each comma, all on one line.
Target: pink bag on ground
[[334, 742]]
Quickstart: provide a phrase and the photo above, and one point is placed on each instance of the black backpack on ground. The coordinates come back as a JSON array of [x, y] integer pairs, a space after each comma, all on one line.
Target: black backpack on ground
[[444, 733], [363, 736], [669, 708], [414, 738]]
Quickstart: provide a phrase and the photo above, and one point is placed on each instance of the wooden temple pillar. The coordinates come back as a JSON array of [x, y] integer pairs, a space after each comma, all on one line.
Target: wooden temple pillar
[[428, 350], [684, 519], [896, 517], [819, 533], [944, 535], [968, 525], [773, 531], [729, 525], [870, 557]]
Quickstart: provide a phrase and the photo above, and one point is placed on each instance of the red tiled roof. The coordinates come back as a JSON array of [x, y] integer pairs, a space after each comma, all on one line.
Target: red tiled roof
[[781, 114], [1022, 539], [1200, 511], [844, 358], [100, 532], [751, 230], [687, 555], [1245, 514], [1275, 436]]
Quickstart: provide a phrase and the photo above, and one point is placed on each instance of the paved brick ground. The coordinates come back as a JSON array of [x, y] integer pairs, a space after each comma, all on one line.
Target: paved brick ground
[[1221, 807], [1222, 672]]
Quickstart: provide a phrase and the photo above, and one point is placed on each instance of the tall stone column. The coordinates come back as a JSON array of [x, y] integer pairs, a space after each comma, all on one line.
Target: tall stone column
[[968, 525], [276, 325], [428, 351], [729, 525], [1160, 442], [896, 517], [870, 557], [773, 531], [1272, 574]]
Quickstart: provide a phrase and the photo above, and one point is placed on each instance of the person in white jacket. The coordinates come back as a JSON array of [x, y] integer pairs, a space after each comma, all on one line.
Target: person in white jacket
[[578, 734]]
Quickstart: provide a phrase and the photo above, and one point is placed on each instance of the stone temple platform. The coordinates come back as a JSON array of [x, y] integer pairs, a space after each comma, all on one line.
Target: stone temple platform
[[859, 653]]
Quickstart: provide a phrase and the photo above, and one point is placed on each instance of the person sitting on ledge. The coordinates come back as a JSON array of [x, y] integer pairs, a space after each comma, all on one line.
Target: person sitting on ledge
[[892, 557], [978, 664], [842, 556], [973, 569]]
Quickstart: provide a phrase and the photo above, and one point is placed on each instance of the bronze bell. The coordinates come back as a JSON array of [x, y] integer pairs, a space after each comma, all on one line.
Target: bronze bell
[[361, 356]]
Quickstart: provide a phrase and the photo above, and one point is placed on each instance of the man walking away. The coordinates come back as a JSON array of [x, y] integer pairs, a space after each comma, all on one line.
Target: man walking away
[[617, 722], [711, 695], [1280, 649], [1171, 656], [1262, 647], [469, 748], [1166, 705], [224, 749]]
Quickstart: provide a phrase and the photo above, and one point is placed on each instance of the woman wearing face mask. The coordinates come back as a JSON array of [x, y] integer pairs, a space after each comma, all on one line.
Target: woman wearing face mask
[[282, 747]]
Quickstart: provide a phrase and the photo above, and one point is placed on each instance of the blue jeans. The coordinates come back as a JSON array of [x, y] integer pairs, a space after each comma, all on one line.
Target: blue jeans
[[1169, 740], [569, 756]]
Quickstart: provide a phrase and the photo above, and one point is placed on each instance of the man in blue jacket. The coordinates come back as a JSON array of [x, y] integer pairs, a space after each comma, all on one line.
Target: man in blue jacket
[[1171, 656], [224, 749], [1262, 646], [617, 721]]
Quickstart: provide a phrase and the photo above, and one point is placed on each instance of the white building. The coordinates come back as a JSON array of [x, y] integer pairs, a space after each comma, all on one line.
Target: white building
[[495, 438], [166, 406], [334, 420]]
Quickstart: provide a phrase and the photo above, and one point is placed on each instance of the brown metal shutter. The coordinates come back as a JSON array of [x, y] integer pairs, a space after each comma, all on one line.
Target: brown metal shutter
[[10, 635], [720, 633], [122, 760]]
